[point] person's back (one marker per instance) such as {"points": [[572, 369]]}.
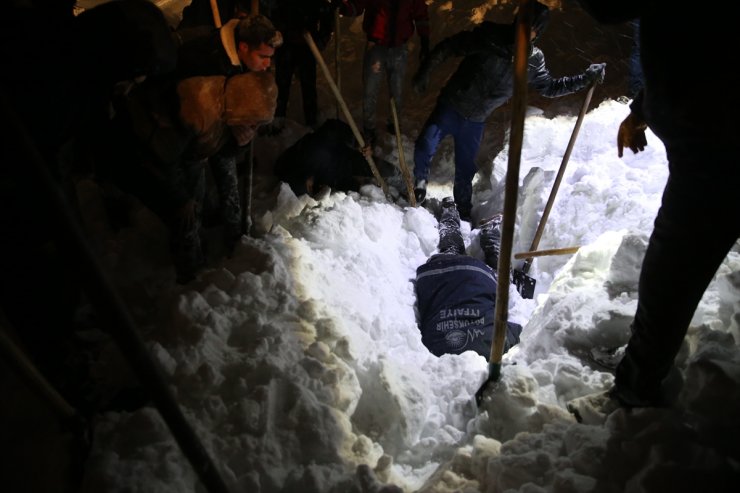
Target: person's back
{"points": [[326, 157], [456, 293]]}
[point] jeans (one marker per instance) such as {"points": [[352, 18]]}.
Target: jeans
{"points": [[444, 121], [377, 60]]}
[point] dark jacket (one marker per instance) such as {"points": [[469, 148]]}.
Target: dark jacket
{"points": [[206, 50], [456, 298], [293, 17], [328, 157], [677, 103], [390, 22], [484, 79]]}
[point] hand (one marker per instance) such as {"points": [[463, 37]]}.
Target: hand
{"points": [[367, 151], [424, 50], [631, 134], [595, 72], [420, 82]]}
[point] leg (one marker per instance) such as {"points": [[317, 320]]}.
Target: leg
{"points": [[284, 68], [490, 241], [397, 63], [372, 75], [185, 236], [450, 237], [686, 243], [227, 184], [307, 76], [467, 142], [434, 130]]}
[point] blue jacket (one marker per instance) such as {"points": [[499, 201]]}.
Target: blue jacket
{"points": [[456, 298]]}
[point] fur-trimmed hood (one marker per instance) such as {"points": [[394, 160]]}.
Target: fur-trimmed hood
{"points": [[208, 105]]}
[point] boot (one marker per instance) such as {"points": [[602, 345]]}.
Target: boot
{"points": [[490, 240], [420, 191]]}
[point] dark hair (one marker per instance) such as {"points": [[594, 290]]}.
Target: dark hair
{"points": [[257, 29]]}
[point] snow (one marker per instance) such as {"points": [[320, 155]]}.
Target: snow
{"points": [[300, 365], [299, 359]]}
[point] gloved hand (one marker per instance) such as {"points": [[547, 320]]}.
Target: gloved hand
{"points": [[595, 72], [420, 82], [424, 51], [631, 134]]}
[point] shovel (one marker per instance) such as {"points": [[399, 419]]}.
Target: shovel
{"points": [[516, 138], [524, 283]]}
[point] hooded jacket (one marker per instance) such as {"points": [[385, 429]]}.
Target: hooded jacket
{"points": [[456, 298], [208, 105], [484, 79]]}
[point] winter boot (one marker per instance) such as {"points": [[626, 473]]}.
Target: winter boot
{"points": [[420, 191], [490, 240]]}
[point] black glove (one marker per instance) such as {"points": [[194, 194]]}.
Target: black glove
{"points": [[595, 72], [424, 51]]}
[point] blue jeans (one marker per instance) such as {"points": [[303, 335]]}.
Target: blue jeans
{"points": [[377, 60], [444, 121]]}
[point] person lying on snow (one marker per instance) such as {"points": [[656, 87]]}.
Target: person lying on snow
{"points": [[328, 157], [456, 293]]}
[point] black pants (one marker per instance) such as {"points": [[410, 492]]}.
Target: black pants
{"points": [[297, 58], [697, 224]]}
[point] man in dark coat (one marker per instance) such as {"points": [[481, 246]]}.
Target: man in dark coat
{"points": [[292, 18], [482, 82], [699, 219], [456, 293]]}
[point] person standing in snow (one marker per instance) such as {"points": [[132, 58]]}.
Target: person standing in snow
{"points": [[482, 82], [293, 18], [699, 219], [456, 293], [388, 24], [241, 46]]}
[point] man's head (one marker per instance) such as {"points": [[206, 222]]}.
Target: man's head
{"points": [[256, 42]]}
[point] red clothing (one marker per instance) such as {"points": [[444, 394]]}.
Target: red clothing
{"points": [[390, 22]]}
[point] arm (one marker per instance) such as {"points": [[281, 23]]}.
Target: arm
{"points": [[421, 23], [325, 24], [550, 87], [486, 37]]}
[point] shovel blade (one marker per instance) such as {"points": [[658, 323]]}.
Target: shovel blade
{"points": [[524, 284]]}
